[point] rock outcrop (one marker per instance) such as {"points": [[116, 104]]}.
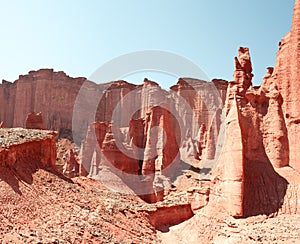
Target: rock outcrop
{"points": [[34, 121], [152, 147], [200, 103], [21, 146], [256, 145], [71, 167], [61, 98], [162, 147], [145, 131], [287, 78]]}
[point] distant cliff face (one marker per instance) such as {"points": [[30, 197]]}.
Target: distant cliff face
{"points": [[51, 93], [55, 95]]}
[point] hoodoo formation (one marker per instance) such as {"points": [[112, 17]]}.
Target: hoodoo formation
{"points": [[205, 162]]}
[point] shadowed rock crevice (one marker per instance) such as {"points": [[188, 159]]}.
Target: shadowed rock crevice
{"points": [[256, 144], [8, 176], [264, 189], [165, 217]]}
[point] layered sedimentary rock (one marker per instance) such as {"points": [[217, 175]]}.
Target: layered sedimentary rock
{"points": [[34, 121], [116, 153], [162, 147], [63, 102], [142, 128], [202, 140], [149, 147], [233, 159], [20, 146], [71, 167], [51, 93], [256, 144], [200, 103], [287, 77], [153, 145], [90, 148], [104, 144]]}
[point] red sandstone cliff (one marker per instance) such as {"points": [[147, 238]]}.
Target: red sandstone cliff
{"points": [[34, 121], [20, 146], [142, 128], [287, 77], [256, 147], [200, 103], [51, 93], [152, 147]]}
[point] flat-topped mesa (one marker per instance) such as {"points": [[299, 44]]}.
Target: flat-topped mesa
{"points": [[34, 121], [52, 93], [33, 147]]}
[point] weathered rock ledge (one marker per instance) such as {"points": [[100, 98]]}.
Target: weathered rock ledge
{"points": [[18, 146]]}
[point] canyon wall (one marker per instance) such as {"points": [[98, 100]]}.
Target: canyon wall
{"points": [[51, 93], [251, 173], [145, 131], [287, 77], [60, 98]]}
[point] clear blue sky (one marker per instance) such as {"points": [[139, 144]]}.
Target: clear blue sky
{"points": [[79, 36]]}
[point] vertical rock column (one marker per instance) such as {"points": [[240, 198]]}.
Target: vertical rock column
{"points": [[233, 158]]}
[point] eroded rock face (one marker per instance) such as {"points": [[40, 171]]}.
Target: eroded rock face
{"points": [[242, 78], [34, 121], [150, 142], [256, 144], [200, 103], [20, 146], [287, 77], [115, 152], [202, 140], [162, 148], [90, 147], [71, 168], [149, 148], [232, 162], [52, 93], [57, 95]]}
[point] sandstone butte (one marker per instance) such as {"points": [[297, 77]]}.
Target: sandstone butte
{"points": [[205, 162]]}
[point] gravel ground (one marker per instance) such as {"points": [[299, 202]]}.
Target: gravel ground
{"points": [[19, 135]]}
